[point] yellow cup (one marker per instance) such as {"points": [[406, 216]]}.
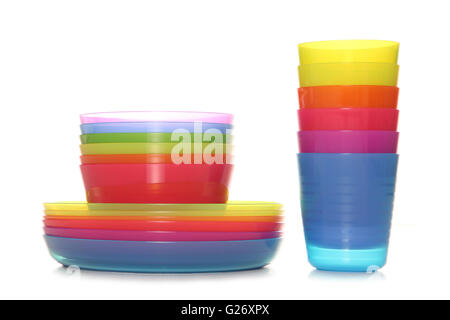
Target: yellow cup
{"points": [[344, 51], [346, 74]]}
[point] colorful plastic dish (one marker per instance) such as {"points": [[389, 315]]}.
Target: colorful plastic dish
{"points": [[233, 210], [347, 201], [348, 97], [156, 116], [154, 127], [127, 137], [346, 74], [125, 235], [150, 158], [152, 148], [351, 141], [348, 119], [156, 183], [52, 215], [161, 225], [148, 256], [338, 51]]}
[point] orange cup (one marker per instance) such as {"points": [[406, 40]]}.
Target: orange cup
{"points": [[348, 97]]}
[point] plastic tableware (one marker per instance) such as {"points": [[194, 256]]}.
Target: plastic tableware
{"points": [[152, 148], [229, 207], [276, 217], [127, 137], [161, 225], [156, 183], [231, 210], [124, 235], [347, 202], [348, 119], [344, 74], [149, 158], [156, 116], [147, 256], [154, 127], [348, 96], [338, 51], [348, 141]]}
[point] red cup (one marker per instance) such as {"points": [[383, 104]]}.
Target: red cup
{"points": [[348, 96], [348, 119], [156, 183]]}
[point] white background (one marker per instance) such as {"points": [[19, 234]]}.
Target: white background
{"points": [[62, 58]]}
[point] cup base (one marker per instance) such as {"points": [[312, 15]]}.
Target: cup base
{"points": [[347, 260]]}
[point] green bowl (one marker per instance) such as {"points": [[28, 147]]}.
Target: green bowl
{"points": [[161, 137]]}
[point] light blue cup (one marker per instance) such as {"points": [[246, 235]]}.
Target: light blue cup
{"points": [[347, 201]]}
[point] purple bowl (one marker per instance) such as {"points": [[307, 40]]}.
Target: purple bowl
{"points": [[347, 141]]}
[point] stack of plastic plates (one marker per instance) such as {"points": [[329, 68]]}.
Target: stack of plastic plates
{"points": [[163, 237]]}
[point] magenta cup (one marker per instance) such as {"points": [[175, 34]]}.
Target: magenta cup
{"points": [[156, 116], [347, 141]]}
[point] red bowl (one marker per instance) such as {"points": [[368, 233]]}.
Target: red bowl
{"points": [[348, 119], [156, 183]]}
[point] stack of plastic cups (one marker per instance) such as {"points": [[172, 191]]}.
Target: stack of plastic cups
{"points": [[348, 142], [157, 191]]}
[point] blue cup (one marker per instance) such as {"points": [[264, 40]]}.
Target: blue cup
{"points": [[347, 201]]}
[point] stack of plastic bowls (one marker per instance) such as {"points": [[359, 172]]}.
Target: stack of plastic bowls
{"points": [[348, 143], [156, 157], [157, 191]]}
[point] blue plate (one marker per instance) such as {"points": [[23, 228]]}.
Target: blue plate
{"points": [[150, 256], [152, 127]]}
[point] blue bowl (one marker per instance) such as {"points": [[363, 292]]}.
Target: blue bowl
{"points": [[152, 256], [347, 201], [151, 127]]}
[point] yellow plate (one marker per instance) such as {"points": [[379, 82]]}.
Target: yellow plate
{"points": [[233, 208], [338, 51]]}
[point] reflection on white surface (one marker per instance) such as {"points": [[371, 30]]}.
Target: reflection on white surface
{"points": [[346, 276], [73, 272]]}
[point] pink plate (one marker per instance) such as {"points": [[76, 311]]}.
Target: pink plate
{"points": [[96, 234]]}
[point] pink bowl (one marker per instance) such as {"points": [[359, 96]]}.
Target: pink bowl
{"points": [[160, 116], [347, 141], [121, 235]]}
